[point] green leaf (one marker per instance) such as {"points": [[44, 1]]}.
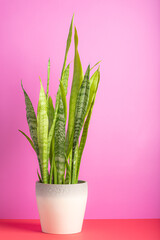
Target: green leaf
{"points": [[63, 96], [50, 112], [75, 165], [69, 156], [76, 83], [53, 170], [48, 79], [51, 144], [32, 123], [50, 118], [83, 139], [63, 180], [67, 46], [29, 140], [68, 173], [86, 125], [52, 129], [60, 142], [69, 36], [56, 113], [94, 81], [40, 180], [64, 80], [42, 133], [81, 108], [59, 133], [52, 136], [68, 151], [95, 65], [31, 119]]}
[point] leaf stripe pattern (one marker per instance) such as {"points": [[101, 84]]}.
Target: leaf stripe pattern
{"points": [[53, 169], [50, 146], [83, 139], [81, 108], [65, 78], [50, 112], [50, 118], [51, 132], [94, 81], [42, 133], [32, 123], [48, 130], [63, 97], [93, 90], [60, 142], [76, 83], [59, 134]]}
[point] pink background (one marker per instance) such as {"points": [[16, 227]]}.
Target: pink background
{"points": [[121, 161]]}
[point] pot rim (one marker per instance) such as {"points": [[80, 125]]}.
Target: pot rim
{"points": [[65, 184]]}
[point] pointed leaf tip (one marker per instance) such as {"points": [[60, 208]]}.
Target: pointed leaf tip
{"points": [[40, 81], [49, 63], [22, 85], [75, 37], [88, 69]]}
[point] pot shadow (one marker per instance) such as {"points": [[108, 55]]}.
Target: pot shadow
{"points": [[33, 226]]}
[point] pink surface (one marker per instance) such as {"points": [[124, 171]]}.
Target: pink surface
{"points": [[121, 161], [112, 229]]}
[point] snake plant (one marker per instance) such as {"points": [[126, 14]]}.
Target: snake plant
{"points": [[59, 147]]}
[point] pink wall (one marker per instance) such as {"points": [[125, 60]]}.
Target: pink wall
{"points": [[121, 161]]}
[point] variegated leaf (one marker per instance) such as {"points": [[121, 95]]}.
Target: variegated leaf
{"points": [[76, 83], [60, 118], [52, 129], [81, 108], [53, 169], [60, 142], [59, 134], [50, 112], [63, 97], [31, 119], [64, 80], [74, 165], [42, 133], [32, 123], [95, 82], [50, 118]]}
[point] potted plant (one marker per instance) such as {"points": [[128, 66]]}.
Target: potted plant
{"points": [[61, 197]]}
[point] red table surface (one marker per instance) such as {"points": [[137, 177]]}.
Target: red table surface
{"points": [[108, 229]]}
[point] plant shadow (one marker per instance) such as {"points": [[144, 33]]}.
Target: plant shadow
{"points": [[33, 226]]}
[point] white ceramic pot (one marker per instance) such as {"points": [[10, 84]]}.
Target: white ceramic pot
{"points": [[61, 206]]}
